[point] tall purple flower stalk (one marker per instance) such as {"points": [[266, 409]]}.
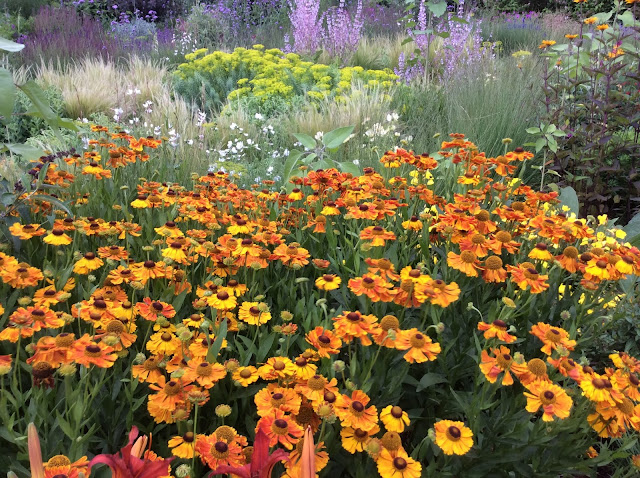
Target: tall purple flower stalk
{"points": [[463, 46], [343, 31], [306, 25]]}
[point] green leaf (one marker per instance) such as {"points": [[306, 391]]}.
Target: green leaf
{"points": [[437, 8], [212, 354], [27, 151], [39, 100], [444, 34], [335, 138], [8, 45], [459, 20], [348, 167], [7, 93], [306, 140], [568, 197], [291, 164], [540, 144], [533, 130], [430, 379], [310, 157], [54, 201], [633, 230]]}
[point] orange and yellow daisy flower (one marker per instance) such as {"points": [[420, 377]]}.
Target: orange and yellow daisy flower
{"points": [[552, 398], [453, 437]]}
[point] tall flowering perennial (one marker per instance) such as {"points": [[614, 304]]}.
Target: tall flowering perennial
{"points": [[343, 30], [306, 25], [463, 46], [186, 290]]}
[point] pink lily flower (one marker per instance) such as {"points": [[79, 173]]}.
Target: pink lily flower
{"points": [[261, 464], [129, 464]]}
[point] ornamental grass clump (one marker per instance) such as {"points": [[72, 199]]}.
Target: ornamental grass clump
{"points": [[401, 327], [269, 79]]}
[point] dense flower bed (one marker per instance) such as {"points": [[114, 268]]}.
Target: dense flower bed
{"points": [[421, 330], [269, 75]]}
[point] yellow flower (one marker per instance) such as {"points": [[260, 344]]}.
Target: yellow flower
{"points": [[394, 418], [453, 437]]}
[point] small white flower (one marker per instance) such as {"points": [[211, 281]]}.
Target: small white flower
{"points": [[318, 136], [259, 117], [233, 126]]}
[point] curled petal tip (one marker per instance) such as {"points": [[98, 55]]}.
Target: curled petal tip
{"points": [[308, 455], [35, 452]]}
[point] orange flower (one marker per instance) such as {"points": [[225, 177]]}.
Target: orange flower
{"points": [[395, 419], [316, 387], [57, 237], [377, 235], [437, 292], [152, 309], [26, 231], [374, 287], [273, 398], [526, 275], [353, 412], [86, 352], [502, 361], [497, 329], [553, 337], [384, 267], [292, 254], [553, 399], [466, 262], [419, 346], [21, 276], [216, 452], [254, 313], [280, 428], [183, 446], [351, 325], [324, 341], [204, 373]]}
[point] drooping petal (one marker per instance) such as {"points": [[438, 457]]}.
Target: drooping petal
{"points": [[267, 467]]}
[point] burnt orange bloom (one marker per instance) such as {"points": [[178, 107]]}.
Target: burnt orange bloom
{"points": [[419, 346], [152, 309], [377, 235], [553, 337], [316, 388], [292, 254], [502, 361], [324, 341], [466, 262], [280, 428], [277, 368], [553, 399], [438, 292], [493, 270], [496, 329], [204, 373], [569, 260], [384, 267], [475, 243], [144, 271], [526, 275], [353, 411], [272, 398], [86, 352], [21, 276], [374, 287], [26, 231], [169, 394], [149, 371], [117, 253], [351, 325], [219, 451]]}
